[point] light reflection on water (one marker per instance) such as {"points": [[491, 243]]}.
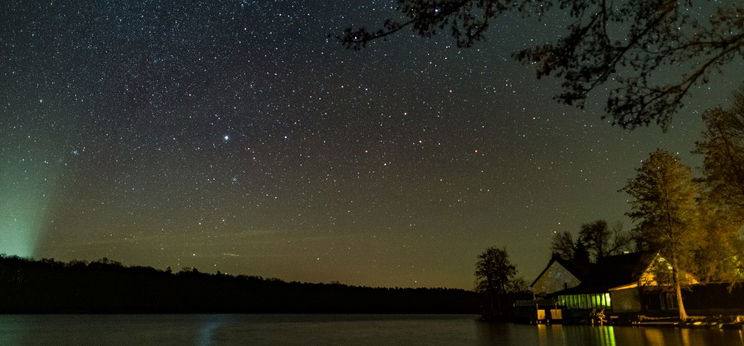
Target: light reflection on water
{"points": [[542, 335], [209, 326], [203, 330]]}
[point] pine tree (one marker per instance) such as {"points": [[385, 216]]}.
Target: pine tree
{"points": [[664, 207]]}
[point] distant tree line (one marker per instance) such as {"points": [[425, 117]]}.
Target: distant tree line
{"points": [[105, 286]]}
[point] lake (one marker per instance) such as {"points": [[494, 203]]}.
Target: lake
{"points": [[330, 330]]}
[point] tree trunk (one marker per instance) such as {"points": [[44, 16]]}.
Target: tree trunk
{"points": [[678, 293], [499, 306], [491, 298], [492, 304]]}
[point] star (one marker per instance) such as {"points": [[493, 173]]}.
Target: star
{"points": [[173, 117]]}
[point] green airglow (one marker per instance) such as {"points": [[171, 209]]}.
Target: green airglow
{"points": [[26, 185]]}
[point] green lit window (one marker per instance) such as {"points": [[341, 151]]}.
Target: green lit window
{"points": [[585, 301]]}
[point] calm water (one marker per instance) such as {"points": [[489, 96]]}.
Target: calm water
{"points": [[329, 330]]}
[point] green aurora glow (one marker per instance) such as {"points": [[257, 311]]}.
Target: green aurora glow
{"points": [[26, 185]]}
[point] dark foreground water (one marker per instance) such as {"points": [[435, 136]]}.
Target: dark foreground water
{"points": [[330, 330]]}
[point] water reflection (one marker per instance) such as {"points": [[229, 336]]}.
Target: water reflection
{"points": [[333, 330], [607, 335], [570, 335], [591, 335], [14, 330], [549, 335], [209, 326], [602, 335]]}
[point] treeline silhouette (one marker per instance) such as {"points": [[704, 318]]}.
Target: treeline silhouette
{"points": [[105, 286]]}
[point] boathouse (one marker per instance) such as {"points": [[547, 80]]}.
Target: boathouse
{"points": [[622, 287]]}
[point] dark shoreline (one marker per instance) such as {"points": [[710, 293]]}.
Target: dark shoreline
{"points": [[104, 286]]}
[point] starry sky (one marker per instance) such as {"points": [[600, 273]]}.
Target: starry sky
{"points": [[239, 136]]}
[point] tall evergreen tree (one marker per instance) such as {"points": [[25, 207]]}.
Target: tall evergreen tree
{"points": [[664, 207]]}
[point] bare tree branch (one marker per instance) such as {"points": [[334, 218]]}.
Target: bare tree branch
{"points": [[626, 44]]}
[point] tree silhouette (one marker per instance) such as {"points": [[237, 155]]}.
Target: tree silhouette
{"points": [[105, 286], [664, 205], [627, 44], [563, 246], [601, 241], [494, 273]]}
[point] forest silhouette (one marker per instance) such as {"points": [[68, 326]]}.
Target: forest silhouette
{"points": [[105, 286]]}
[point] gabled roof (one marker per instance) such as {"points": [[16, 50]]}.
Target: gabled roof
{"points": [[614, 271], [577, 270]]}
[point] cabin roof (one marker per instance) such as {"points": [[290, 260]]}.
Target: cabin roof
{"points": [[613, 271], [577, 270]]}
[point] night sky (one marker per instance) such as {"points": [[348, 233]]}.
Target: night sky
{"points": [[237, 136]]}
